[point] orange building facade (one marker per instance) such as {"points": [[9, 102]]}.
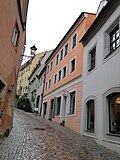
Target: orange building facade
{"points": [[63, 82], [13, 16]]}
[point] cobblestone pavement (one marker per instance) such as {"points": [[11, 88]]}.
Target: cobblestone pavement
{"points": [[34, 138]]}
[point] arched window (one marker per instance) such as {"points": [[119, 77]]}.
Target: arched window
{"points": [[114, 113], [90, 114]]}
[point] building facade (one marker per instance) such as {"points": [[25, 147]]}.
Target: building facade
{"points": [[22, 81], [36, 83], [63, 82], [12, 32], [25, 72], [100, 114]]}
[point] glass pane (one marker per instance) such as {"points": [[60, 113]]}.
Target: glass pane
{"points": [[114, 113], [90, 115]]}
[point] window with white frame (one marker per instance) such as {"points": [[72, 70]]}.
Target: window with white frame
{"points": [[90, 114], [44, 109], [49, 83], [66, 50], [58, 106], [46, 86], [92, 59], [72, 97], [114, 113], [48, 69], [59, 75], [15, 36], [61, 55], [112, 38], [72, 65], [64, 72], [57, 59], [51, 65], [55, 78], [74, 41]]}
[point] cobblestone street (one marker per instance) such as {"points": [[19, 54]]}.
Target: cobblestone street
{"points": [[33, 138]]}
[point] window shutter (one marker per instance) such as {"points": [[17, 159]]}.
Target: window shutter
{"points": [[89, 61], [106, 44]]}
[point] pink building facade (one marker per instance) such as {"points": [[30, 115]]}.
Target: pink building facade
{"points": [[63, 82]]}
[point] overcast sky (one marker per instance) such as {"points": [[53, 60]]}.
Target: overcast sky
{"points": [[49, 20]]}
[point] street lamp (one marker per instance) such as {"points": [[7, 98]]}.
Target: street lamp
{"points": [[33, 50]]}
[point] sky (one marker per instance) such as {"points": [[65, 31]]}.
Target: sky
{"points": [[49, 20]]}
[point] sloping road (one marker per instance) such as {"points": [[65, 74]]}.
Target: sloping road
{"points": [[33, 138]]}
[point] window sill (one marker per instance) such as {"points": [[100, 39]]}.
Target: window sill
{"points": [[91, 131], [113, 134], [111, 54], [91, 71], [70, 114], [73, 48]]}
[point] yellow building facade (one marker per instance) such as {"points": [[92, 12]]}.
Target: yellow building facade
{"points": [[25, 72]]}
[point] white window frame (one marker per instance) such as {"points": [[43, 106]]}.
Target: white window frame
{"points": [[89, 59], [71, 65], [67, 50], [49, 84], [107, 134], [57, 60], [72, 41], [107, 52], [57, 105], [68, 109], [51, 66], [63, 73], [54, 78], [15, 36], [60, 76], [61, 52]]}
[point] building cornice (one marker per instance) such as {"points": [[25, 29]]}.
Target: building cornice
{"points": [[68, 34], [103, 16]]}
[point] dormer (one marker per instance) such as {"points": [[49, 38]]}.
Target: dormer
{"points": [[101, 6]]}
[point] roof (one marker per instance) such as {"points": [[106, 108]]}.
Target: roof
{"points": [[26, 64], [103, 16], [79, 19]]}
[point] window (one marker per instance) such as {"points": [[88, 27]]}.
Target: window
{"points": [[51, 64], [61, 55], [46, 86], [114, 113], [2, 85], [74, 41], [55, 78], [57, 59], [64, 72], [92, 59], [114, 38], [72, 66], [59, 75], [15, 36], [44, 109], [49, 83], [72, 103], [66, 50], [58, 106], [90, 115], [47, 69]]}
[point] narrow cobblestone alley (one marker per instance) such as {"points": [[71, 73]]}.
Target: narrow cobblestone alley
{"points": [[33, 138]]}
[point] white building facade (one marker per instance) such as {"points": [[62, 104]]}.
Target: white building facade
{"points": [[100, 114]]}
